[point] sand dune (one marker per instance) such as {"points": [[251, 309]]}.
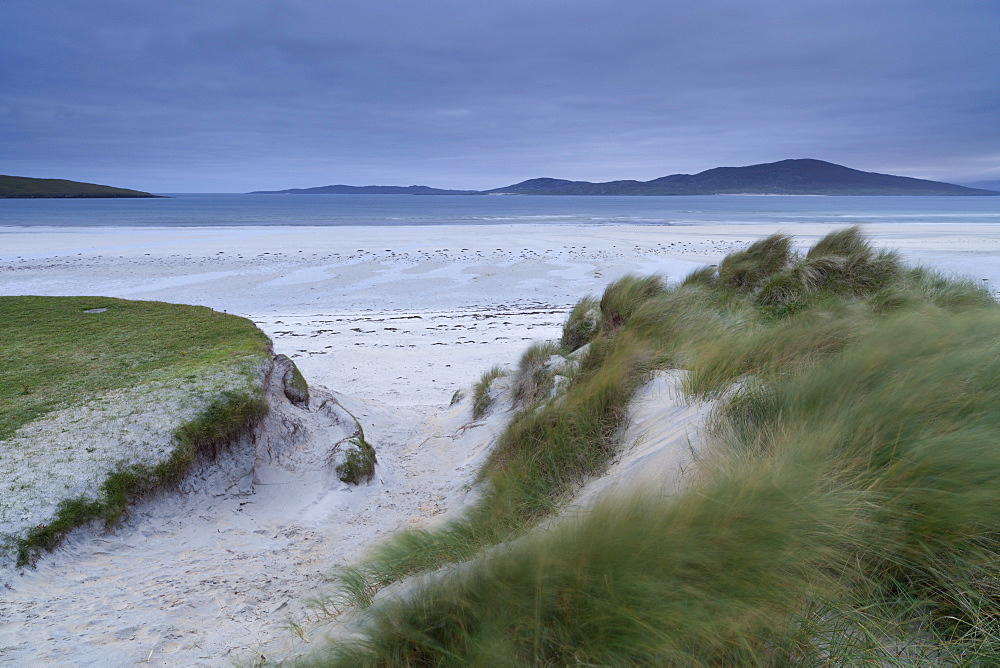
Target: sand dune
{"points": [[395, 320]]}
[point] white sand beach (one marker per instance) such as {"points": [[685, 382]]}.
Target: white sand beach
{"points": [[392, 321], [408, 315]]}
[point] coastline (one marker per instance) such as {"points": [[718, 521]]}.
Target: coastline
{"points": [[409, 314], [392, 328]]}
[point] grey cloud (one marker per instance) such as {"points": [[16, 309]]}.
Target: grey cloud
{"points": [[231, 95]]}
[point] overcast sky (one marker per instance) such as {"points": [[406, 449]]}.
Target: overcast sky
{"points": [[236, 95]]}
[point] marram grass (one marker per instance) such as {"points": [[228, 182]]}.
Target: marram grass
{"points": [[847, 517], [581, 325], [481, 398], [532, 381]]}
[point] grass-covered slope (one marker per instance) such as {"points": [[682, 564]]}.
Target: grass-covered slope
{"points": [[849, 517], [101, 399]]}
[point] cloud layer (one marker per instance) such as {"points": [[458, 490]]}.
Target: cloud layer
{"points": [[232, 95]]}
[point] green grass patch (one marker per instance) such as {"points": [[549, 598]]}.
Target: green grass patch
{"points": [[848, 517], [57, 355]]}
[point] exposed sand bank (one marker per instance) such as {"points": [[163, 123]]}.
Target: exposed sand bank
{"points": [[396, 319]]}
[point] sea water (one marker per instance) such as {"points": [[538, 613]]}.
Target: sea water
{"points": [[198, 210]]}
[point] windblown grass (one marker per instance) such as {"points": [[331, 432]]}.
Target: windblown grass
{"points": [[581, 325], [746, 270], [622, 297], [848, 518], [532, 380], [635, 582], [548, 449], [481, 398]]}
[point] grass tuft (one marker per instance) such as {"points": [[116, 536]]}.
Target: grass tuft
{"points": [[534, 378], [705, 276], [746, 270], [622, 297], [844, 242], [481, 398], [581, 325], [359, 462]]}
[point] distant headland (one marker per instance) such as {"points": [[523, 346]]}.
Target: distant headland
{"points": [[786, 177], [23, 187]]}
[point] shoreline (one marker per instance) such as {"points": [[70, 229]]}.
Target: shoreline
{"points": [[332, 297]]}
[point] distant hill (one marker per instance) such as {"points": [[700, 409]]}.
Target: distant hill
{"points": [[20, 187], [786, 177], [365, 190], [986, 185]]}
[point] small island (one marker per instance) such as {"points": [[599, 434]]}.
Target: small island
{"points": [[24, 187]]}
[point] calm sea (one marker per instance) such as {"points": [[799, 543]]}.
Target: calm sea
{"points": [[195, 210]]}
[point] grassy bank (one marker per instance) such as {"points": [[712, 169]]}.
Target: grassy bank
{"points": [[848, 517], [104, 399]]}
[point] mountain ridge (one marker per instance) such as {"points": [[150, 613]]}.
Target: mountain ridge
{"points": [[803, 176], [800, 176]]}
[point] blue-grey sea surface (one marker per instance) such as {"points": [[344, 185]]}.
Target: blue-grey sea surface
{"points": [[197, 210]]}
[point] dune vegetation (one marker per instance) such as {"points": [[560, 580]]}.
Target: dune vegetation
{"points": [[847, 516], [481, 398], [104, 399]]}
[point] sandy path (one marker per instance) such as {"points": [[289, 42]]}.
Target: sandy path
{"points": [[195, 579]]}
